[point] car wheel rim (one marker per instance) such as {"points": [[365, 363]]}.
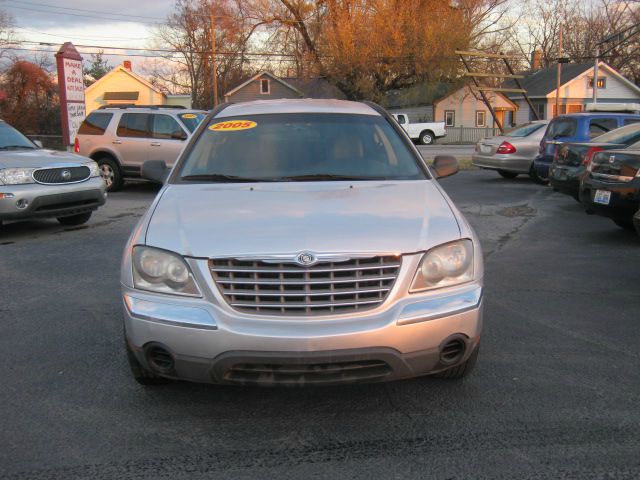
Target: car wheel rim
{"points": [[107, 174], [426, 139]]}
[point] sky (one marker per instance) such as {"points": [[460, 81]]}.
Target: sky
{"points": [[88, 23]]}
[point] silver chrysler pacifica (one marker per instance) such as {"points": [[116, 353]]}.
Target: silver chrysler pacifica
{"points": [[301, 242]]}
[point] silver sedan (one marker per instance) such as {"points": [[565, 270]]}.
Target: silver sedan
{"points": [[512, 153], [37, 183]]}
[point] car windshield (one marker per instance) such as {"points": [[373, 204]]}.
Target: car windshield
{"points": [[623, 136], [191, 120], [300, 147], [12, 139], [524, 130]]}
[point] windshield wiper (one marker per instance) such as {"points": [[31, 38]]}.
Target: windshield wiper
{"points": [[216, 177], [318, 177], [13, 147]]}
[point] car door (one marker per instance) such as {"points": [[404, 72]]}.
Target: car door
{"points": [[132, 141], [168, 139]]}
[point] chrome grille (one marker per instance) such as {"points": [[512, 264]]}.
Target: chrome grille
{"points": [[287, 288], [61, 175]]}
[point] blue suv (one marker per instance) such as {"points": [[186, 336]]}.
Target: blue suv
{"points": [[576, 127]]}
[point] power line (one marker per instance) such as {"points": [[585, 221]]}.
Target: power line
{"points": [[115, 39], [84, 16], [46, 5]]}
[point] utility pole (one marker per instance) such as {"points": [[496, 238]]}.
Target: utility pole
{"points": [[559, 74], [214, 73], [595, 75]]}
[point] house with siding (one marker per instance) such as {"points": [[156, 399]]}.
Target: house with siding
{"points": [[122, 86], [267, 86], [464, 107], [576, 90]]}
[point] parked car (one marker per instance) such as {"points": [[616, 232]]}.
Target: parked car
{"points": [[612, 185], [38, 183], [575, 127], [425, 132], [121, 139], [301, 242], [570, 162], [513, 152]]}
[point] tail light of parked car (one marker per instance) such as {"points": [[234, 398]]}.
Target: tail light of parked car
{"points": [[76, 146], [506, 147], [589, 155]]}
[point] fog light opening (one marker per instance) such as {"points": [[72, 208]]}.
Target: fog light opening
{"points": [[159, 358], [452, 351], [22, 203]]}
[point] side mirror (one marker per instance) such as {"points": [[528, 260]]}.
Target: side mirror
{"points": [[38, 143], [179, 136], [445, 166], [155, 170]]}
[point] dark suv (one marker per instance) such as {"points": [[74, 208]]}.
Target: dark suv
{"points": [[121, 139], [612, 186], [575, 127]]}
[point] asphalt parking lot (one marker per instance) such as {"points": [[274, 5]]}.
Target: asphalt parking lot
{"points": [[555, 393]]}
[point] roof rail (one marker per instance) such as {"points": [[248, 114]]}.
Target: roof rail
{"points": [[131, 105]]}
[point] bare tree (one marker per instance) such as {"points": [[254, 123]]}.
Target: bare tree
{"points": [[188, 31]]}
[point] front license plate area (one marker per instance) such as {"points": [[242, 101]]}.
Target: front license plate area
{"points": [[603, 197]]}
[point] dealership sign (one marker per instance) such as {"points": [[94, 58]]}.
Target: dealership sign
{"points": [[71, 89]]}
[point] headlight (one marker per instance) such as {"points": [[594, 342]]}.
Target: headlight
{"points": [[161, 271], [94, 169], [443, 266], [16, 176]]}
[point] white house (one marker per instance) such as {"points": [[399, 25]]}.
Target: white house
{"points": [[576, 89]]}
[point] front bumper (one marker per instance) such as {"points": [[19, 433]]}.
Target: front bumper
{"points": [[211, 343], [509, 163], [623, 203], [51, 200]]}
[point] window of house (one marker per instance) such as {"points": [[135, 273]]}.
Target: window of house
{"points": [[265, 87], [481, 118], [449, 118], [602, 82]]}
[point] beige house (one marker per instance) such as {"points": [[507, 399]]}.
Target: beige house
{"points": [[465, 108], [122, 86]]}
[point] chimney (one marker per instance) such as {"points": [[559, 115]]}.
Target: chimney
{"points": [[127, 64], [536, 60]]}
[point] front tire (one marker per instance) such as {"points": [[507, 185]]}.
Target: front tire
{"points": [[74, 220], [460, 371], [110, 173], [426, 138], [506, 174]]}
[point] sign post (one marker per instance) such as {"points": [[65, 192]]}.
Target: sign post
{"points": [[71, 91]]}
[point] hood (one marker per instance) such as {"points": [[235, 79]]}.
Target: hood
{"points": [[215, 220], [39, 158]]}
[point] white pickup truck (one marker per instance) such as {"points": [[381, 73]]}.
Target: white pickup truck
{"points": [[425, 133]]}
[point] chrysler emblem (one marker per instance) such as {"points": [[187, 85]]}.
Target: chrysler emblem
{"points": [[66, 174], [306, 259]]}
